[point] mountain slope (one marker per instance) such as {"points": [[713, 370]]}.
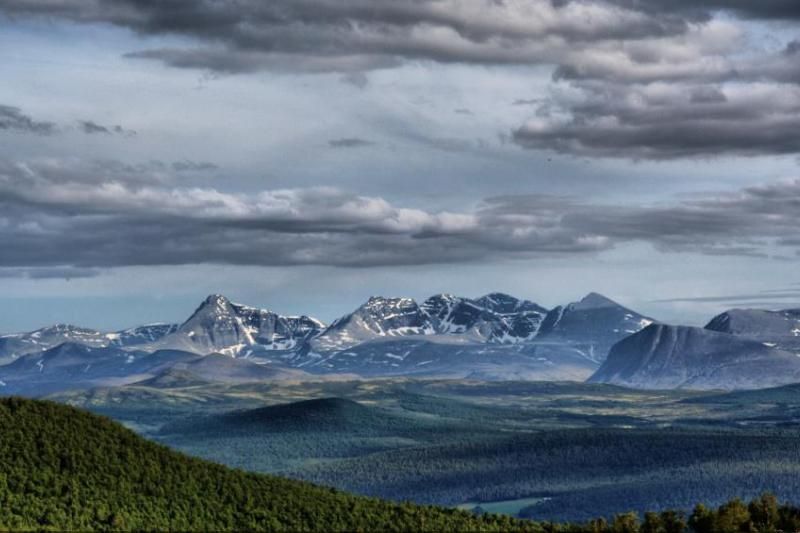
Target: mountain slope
{"points": [[378, 317], [141, 335], [13, 346], [778, 328], [494, 318], [221, 326], [594, 324], [757, 322], [326, 415], [219, 368], [72, 365], [665, 357], [68, 470], [451, 357], [496, 336]]}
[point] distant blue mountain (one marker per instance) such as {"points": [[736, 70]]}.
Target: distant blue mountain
{"points": [[667, 357], [496, 336]]}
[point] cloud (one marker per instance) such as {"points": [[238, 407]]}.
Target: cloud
{"points": [[764, 9], [527, 101], [193, 166], [61, 214], [722, 95], [90, 127], [757, 297], [361, 35], [664, 121], [349, 142], [13, 119], [699, 94], [56, 272]]}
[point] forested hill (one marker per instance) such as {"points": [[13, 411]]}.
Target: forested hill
{"points": [[65, 469]]}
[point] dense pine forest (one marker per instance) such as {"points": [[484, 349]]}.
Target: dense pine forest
{"points": [[66, 469]]}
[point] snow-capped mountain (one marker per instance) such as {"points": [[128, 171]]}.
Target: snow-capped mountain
{"points": [[378, 317], [495, 318], [523, 317], [595, 324], [666, 357], [13, 346], [75, 366], [492, 337], [496, 336], [221, 326], [140, 335]]}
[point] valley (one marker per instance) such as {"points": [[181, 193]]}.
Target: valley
{"points": [[578, 450], [488, 404]]}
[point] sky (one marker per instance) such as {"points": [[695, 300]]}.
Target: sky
{"points": [[303, 155]]}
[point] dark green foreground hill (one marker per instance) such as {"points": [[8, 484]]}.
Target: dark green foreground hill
{"points": [[65, 469]]}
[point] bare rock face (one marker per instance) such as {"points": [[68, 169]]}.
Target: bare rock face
{"points": [[668, 357]]}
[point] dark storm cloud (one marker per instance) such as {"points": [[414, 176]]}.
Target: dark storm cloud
{"points": [[637, 79], [662, 122], [57, 216], [349, 142], [759, 9], [359, 35], [13, 119]]}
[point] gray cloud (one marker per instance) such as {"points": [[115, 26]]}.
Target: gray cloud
{"points": [[349, 142], [13, 119], [58, 214], [762, 9], [90, 127], [758, 297], [527, 101], [361, 35], [668, 121], [193, 166], [633, 79], [56, 272]]}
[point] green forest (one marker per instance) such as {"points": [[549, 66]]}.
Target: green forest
{"points": [[65, 469]]}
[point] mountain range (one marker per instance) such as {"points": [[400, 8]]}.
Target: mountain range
{"points": [[494, 337]]}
